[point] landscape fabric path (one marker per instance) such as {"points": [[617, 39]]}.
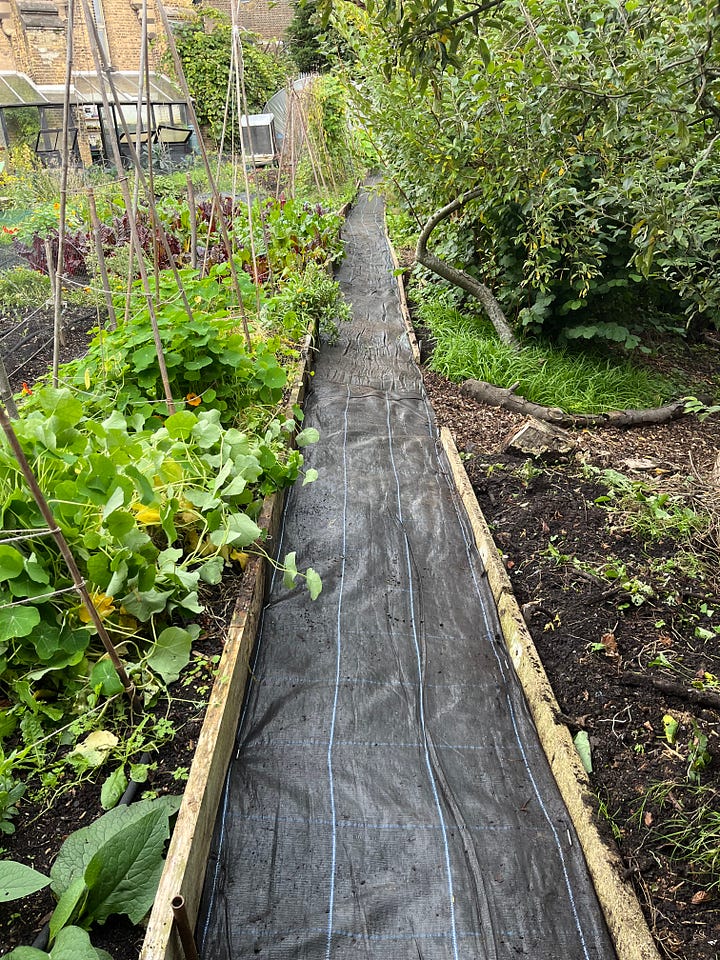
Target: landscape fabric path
{"points": [[389, 798]]}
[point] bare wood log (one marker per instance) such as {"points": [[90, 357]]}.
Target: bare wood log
{"points": [[701, 698], [506, 398], [459, 278]]}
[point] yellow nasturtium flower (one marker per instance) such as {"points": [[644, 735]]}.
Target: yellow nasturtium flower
{"points": [[104, 605]]}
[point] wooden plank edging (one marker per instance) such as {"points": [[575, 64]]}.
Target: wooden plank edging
{"points": [[404, 309], [184, 871], [626, 923]]}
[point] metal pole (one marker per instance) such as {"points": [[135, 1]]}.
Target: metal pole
{"points": [[182, 925]]}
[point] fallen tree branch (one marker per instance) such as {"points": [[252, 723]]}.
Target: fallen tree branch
{"points": [[458, 277], [701, 698], [506, 398]]}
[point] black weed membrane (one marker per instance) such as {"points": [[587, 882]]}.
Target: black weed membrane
{"points": [[389, 798]]}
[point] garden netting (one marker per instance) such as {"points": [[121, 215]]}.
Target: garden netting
{"points": [[389, 798]]}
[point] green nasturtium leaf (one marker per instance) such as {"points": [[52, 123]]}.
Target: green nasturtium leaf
{"points": [[18, 622], [18, 881], [310, 476], [307, 436], [105, 677], [290, 572], [12, 562], [180, 425], [239, 531], [170, 653], [314, 583], [144, 603]]}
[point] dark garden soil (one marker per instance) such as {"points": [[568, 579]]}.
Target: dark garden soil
{"points": [[612, 613], [27, 343]]}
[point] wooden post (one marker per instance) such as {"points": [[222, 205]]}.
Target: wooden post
{"points": [[60, 265], [180, 74], [123, 183], [102, 267], [192, 210], [6, 394], [50, 261]]}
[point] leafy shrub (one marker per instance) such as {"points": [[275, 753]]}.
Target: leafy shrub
{"points": [[312, 296], [206, 56]]}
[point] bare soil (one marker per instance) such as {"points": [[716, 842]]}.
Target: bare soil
{"points": [[604, 645]]}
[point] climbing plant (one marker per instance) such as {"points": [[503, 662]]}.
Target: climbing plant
{"points": [[586, 130]]}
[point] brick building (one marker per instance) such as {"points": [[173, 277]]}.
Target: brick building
{"points": [[268, 18], [33, 44]]}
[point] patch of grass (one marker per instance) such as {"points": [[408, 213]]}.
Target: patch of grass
{"points": [[691, 835], [579, 382]]}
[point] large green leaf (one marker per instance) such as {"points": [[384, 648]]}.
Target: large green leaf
{"points": [[18, 880], [170, 653], [82, 845], [69, 908], [74, 944], [123, 875], [12, 562], [239, 531], [144, 603], [18, 622], [180, 424]]}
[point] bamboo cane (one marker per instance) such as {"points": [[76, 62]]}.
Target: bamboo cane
{"points": [[6, 394], [123, 183], [60, 265], [192, 210], [180, 74], [66, 552], [100, 253]]}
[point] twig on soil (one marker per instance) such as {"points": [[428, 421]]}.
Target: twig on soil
{"points": [[701, 698]]}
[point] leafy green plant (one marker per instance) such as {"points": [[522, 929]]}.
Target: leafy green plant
{"points": [[11, 792], [546, 110], [111, 867], [694, 837], [311, 296], [72, 943]]}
